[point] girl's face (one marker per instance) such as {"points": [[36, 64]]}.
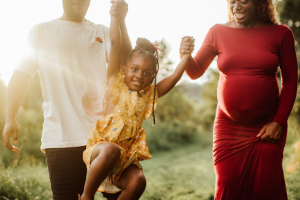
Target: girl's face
{"points": [[139, 72], [244, 11]]}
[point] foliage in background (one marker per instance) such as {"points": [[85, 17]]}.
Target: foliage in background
{"points": [[25, 183], [165, 64], [289, 12], [209, 100], [180, 174], [176, 121], [2, 104], [30, 119]]}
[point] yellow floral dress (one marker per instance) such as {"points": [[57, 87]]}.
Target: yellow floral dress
{"points": [[124, 128]]}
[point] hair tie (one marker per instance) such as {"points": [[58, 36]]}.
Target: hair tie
{"points": [[156, 47]]}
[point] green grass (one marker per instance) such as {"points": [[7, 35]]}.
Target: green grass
{"points": [[181, 174], [185, 173], [25, 183]]}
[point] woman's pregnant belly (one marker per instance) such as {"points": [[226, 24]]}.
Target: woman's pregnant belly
{"points": [[248, 99]]}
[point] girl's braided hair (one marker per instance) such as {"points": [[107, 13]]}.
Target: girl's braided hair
{"points": [[145, 48], [266, 10]]}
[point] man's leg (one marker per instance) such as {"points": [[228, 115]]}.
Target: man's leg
{"points": [[67, 172]]}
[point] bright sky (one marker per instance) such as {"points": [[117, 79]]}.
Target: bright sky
{"points": [[151, 19]]}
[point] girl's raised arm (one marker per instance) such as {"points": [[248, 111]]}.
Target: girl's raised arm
{"points": [[165, 85], [115, 51]]}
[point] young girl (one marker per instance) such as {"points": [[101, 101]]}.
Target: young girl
{"points": [[118, 142]]}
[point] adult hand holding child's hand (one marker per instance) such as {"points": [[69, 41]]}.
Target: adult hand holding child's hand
{"points": [[119, 9], [187, 45], [11, 128]]}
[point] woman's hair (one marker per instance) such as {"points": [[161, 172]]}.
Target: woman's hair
{"points": [[266, 10], [145, 48]]}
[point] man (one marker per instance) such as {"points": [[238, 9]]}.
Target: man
{"points": [[70, 55]]}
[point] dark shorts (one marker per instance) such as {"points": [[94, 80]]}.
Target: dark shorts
{"points": [[67, 172]]}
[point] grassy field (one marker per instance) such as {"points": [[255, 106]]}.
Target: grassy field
{"points": [[182, 174], [186, 173]]}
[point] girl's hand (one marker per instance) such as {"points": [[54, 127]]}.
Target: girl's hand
{"points": [[270, 132], [119, 9], [186, 46]]}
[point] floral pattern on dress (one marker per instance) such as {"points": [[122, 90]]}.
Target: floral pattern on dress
{"points": [[124, 128]]}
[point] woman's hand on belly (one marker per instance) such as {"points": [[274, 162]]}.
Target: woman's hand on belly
{"points": [[270, 132]]}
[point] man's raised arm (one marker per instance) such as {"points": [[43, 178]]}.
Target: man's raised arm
{"points": [[120, 9]]}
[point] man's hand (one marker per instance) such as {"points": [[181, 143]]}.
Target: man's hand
{"points": [[186, 46], [119, 9], [11, 128], [270, 132]]}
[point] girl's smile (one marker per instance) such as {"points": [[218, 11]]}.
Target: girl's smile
{"points": [[139, 73]]}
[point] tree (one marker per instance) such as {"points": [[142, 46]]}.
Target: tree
{"points": [[289, 14], [209, 100], [177, 119], [165, 64]]}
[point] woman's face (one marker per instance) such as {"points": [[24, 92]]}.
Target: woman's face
{"points": [[244, 11]]}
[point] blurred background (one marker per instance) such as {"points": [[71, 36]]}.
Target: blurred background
{"points": [[181, 140]]}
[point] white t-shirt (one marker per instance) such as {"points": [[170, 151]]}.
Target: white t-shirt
{"points": [[71, 60]]}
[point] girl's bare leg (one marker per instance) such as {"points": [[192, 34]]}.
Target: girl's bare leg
{"points": [[132, 182], [103, 158]]}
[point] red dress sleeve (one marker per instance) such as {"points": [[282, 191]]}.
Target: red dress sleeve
{"points": [[289, 74], [207, 52]]}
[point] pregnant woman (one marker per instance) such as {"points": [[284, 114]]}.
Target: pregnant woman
{"points": [[250, 127]]}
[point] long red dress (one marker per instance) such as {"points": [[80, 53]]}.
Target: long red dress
{"points": [[248, 98]]}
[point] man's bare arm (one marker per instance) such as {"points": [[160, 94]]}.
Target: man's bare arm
{"points": [[120, 9], [15, 94], [126, 43]]}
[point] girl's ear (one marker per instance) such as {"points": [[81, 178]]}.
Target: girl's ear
{"points": [[123, 69]]}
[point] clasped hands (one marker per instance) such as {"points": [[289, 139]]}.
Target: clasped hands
{"points": [[187, 46], [270, 132], [119, 9]]}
